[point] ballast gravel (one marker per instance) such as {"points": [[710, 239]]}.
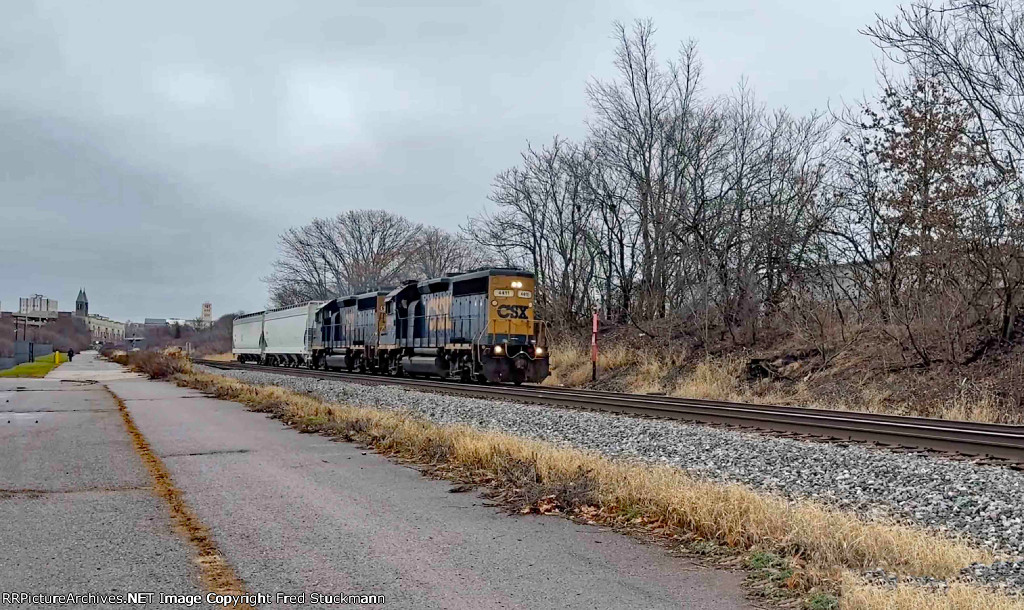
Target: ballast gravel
{"points": [[985, 503]]}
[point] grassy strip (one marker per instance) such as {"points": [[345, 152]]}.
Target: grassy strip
{"points": [[819, 542], [858, 595], [39, 368]]}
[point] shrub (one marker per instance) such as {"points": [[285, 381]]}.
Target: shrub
{"points": [[156, 365]]}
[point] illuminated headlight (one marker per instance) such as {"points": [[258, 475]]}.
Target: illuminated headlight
{"points": [[517, 284], [539, 351], [497, 349]]}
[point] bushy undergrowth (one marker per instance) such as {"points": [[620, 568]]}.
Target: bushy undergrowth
{"points": [[214, 339], [854, 382], [154, 364]]}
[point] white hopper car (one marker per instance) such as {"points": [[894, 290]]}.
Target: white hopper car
{"points": [[279, 337]]}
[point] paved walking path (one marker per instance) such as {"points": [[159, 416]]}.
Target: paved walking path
{"points": [[77, 512], [293, 513]]}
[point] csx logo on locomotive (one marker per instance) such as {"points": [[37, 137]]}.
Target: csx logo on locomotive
{"points": [[512, 312]]}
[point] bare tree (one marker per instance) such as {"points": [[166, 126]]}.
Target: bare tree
{"points": [[303, 270], [977, 48], [355, 251], [629, 133], [911, 214], [440, 252], [369, 248], [544, 221]]}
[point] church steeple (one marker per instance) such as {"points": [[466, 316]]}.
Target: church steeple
{"points": [[82, 304]]}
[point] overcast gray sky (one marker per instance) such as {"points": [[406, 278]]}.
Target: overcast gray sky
{"points": [[151, 151]]}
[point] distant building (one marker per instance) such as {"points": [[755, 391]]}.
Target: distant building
{"points": [[105, 330], [102, 328], [156, 322], [36, 310], [37, 303], [134, 334], [82, 304]]}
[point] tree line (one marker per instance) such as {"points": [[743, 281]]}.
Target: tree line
{"points": [[362, 250], [900, 216]]}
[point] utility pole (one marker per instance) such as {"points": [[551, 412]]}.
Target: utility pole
{"points": [[593, 349]]}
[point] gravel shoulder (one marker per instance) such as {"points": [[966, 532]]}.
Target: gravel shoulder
{"points": [[983, 503]]}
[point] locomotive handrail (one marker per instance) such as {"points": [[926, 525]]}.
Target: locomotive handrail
{"points": [[437, 330]]}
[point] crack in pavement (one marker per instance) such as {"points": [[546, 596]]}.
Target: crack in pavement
{"points": [[161, 398], [38, 493], [24, 389], [212, 452], [108, 410]]}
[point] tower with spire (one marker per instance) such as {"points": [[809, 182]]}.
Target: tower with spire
{"points": [[82, 304]]}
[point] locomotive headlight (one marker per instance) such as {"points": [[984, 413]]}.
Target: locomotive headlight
{"points": [[539, 351], [497, 349], [517, 284]]}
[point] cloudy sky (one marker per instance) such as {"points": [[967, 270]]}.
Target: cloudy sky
{"points": [[151, 152]]}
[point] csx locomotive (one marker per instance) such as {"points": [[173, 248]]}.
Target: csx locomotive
{"points": [[474, 326]]}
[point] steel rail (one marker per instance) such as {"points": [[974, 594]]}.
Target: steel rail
{"points": [[1000, 441]]}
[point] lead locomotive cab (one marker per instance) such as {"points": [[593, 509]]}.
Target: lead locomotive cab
{"points": [[476, 326], [492, 311]]}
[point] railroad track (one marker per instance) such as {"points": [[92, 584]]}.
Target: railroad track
{"points": [[1003, 444]]}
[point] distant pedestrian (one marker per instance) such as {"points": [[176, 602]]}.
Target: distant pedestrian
{"points": [[71, 354]]}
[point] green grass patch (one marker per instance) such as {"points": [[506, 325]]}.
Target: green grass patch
{"points": [[823, 601], [39, 368]]}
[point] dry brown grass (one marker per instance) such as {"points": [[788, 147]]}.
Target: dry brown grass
{"points": [[571, 365], [724, 378], [158, 365], [649, 373], [858, 595], [225, 357], [977, 404], [665, 498], [712, 379]]}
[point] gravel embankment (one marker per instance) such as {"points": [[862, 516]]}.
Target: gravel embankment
{"points": [[983, 502]]}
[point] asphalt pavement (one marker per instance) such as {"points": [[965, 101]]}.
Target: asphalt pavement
{"points": [[291, 512], [77, 513]]}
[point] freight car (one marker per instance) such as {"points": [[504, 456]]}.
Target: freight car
{"points": [[475, 326], [279, 337]]}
